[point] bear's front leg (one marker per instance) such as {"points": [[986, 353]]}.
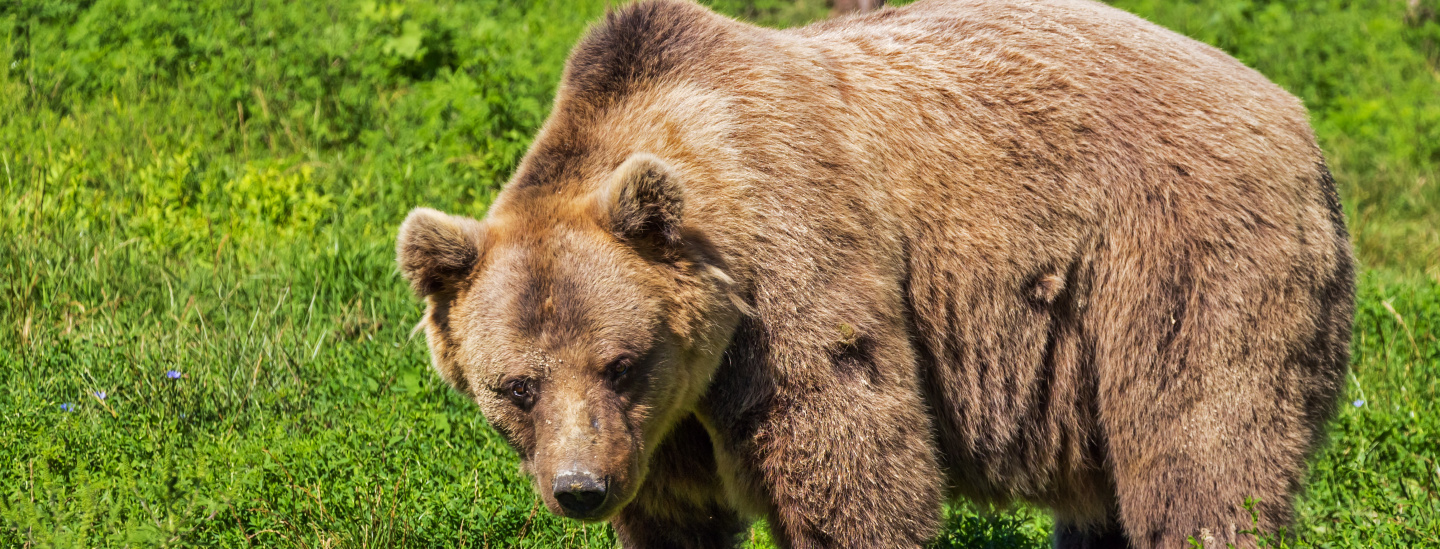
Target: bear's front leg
{"points": [[835, 447], [847, 469], [681, 504]]}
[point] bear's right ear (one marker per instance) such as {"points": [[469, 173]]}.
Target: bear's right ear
{"points": [[643, 201], [436, 251]]}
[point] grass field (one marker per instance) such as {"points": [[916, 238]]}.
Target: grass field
{"points": [[204, 340]]}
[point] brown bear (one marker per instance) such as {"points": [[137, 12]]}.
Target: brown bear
{"points": [[1038, 250]]}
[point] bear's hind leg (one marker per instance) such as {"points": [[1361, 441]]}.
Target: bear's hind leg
{"points": [[1218, 355], [1185, 467], [1196, 432]]}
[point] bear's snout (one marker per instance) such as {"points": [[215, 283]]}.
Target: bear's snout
{"points": [[586, 460], [580, 493]]}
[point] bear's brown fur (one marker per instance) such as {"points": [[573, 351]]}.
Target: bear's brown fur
{"points": [[831, 276]]}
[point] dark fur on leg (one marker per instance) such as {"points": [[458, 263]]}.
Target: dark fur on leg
{"points": [[1071, 536], [681, 504]]}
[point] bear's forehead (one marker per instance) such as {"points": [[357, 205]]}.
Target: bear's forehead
{"points": [[557, 296]]}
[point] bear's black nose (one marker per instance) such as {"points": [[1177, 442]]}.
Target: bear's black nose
{"points": [[580, 494]]}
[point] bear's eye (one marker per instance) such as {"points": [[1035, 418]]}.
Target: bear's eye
{"points": [[620, 367], [519, 391]]}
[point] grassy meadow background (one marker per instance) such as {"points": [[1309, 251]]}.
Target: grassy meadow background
{"points": [[204, 340]]}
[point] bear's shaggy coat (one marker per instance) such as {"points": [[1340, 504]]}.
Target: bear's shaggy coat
{"points": [[1034, 250]]}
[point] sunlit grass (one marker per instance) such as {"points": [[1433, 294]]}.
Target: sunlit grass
{"points": [[224, 206]]}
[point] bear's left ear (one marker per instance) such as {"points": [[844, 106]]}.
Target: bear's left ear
{"points": [[436, 251], [642, 201]]}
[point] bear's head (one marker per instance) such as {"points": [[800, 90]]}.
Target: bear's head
{"points": [[585, 324]]}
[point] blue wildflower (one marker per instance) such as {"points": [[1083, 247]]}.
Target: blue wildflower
{"points": [[99, 394], [1359, 403], [172, 374], [68, 407]]}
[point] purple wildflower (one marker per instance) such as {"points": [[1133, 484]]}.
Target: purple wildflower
{"points": [[68, 407], [99, 394], [172, 374], [1359, 403]]}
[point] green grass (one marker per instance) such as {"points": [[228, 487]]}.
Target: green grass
{"points": [[213, 187]]}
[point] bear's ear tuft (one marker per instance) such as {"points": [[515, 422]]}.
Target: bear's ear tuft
{"points": [[643, 201], [436, 251]]}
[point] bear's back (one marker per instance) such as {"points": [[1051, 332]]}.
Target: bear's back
{"points": [[1072, 72]]}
